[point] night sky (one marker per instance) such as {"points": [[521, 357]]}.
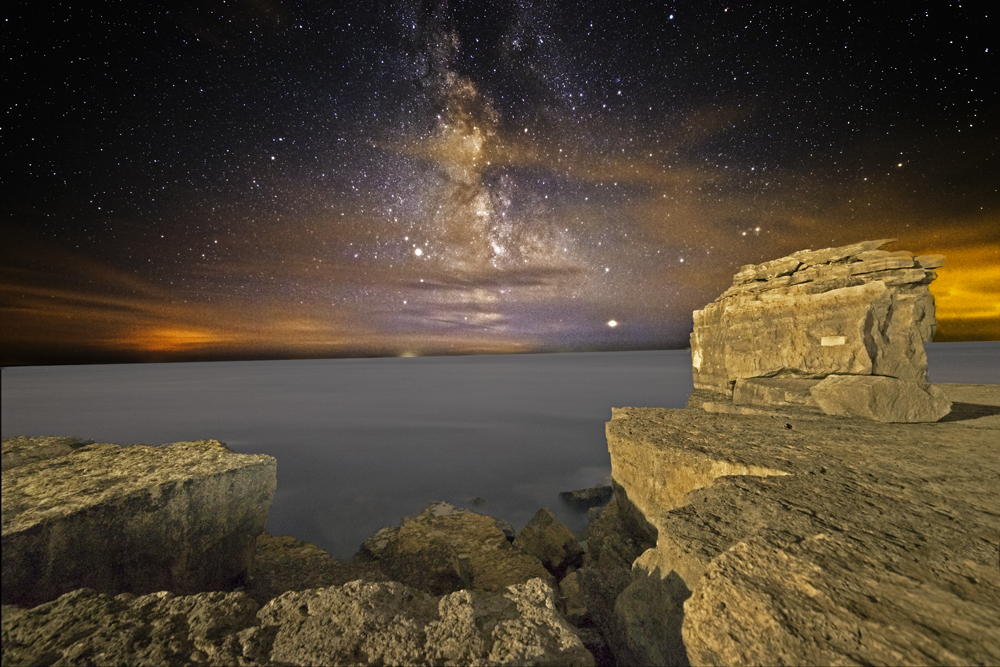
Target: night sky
{"points": [[263, 179]]}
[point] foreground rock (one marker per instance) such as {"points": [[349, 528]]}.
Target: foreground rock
{"points": [[445, 549], [136, 519], [358, 623], [854, 310], [551, 542], [880, 398], [283, 564], [797, 538]]}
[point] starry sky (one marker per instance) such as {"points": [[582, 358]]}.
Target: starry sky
{"points": [[261, 179]]}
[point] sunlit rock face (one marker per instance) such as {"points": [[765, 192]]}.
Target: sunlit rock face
{"points": [[133, 519], [853, 310]]}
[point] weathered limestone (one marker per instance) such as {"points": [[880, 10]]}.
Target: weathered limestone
{"points": [[444, 549], [22, 450], [798, 538], [854, 310], [357, 623], [551, 542], [880, 398], [773, 391], [133, 519]]}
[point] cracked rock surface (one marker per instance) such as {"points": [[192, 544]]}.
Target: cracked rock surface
{"points": [[793, 537]]}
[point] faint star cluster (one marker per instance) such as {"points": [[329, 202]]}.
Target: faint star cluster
{"points": [[284, 179]]}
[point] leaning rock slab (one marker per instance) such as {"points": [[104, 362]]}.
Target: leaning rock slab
{"points": [[883, 399], [135, 519], [445, 549]]}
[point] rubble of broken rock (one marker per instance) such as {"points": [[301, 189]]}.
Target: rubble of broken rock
{"points": [[157, 555]]}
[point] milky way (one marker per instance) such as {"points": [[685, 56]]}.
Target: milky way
{"points": [[264, 179]]}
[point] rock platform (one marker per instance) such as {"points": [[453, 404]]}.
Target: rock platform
{"points": [[134, 519], [792, 537]]}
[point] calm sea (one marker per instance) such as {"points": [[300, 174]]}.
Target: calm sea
{"points": [[362, 442]]}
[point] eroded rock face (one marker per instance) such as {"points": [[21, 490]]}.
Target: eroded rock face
{"points": [[445, 549], [799, 538], [880, 398], [854, 310], [357, 623], [136, 519]]}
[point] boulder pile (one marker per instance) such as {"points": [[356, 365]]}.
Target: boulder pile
{"points": [[158, 555], [857, 311]]}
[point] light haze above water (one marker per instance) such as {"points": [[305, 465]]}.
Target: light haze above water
{"points": [[361, 443]]}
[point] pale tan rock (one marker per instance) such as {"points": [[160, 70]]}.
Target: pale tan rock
{"points": [[21, 450], [136, 519], [880, 398], [358, 623], [445, 549], [930, 261], [851, 310], [778, 540], [777, 391], [549, 540]]}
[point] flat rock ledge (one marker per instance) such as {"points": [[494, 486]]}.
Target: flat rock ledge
{"points": [[383, 623], [136, 519], [788, 537]]}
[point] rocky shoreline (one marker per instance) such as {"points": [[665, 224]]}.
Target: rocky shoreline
{"points": [[806, 507]]}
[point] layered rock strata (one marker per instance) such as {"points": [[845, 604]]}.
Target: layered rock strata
{"points": [[853, 310], [798, 538], [135, 519], [357, 623]]}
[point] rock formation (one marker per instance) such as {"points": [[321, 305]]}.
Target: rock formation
{"points": [[805, 539], [855, 310], [135, 519], [446, 549], [357, 623]]}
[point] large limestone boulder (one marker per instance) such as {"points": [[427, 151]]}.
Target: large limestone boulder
{"points": [[807, 539], [551, 541], [880, 398], [358, 623], [445, 549], [852, 310], [136, 519]]}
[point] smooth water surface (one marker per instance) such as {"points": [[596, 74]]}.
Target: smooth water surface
{"points": [[363, 442]]}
